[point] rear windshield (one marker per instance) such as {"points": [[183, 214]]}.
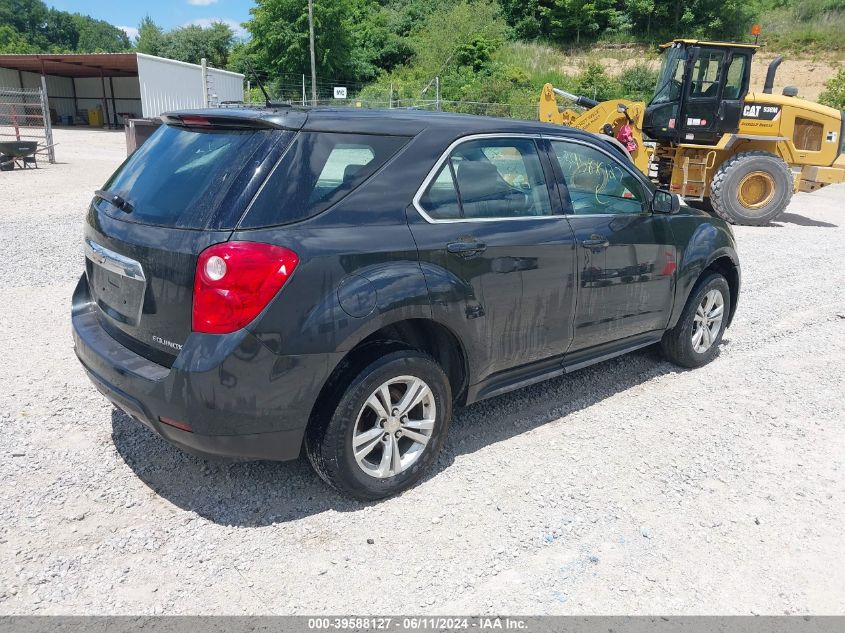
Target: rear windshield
{"points": [[179, 177], [318, 170]]}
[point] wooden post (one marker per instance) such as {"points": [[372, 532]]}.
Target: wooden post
{"points": [[113, 104], [75, 100], [105, 103]]}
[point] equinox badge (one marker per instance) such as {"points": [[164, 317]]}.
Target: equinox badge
{"points": [[166, 343]]}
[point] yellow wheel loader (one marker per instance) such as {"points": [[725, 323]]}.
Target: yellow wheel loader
{"points": [[704, 136]]}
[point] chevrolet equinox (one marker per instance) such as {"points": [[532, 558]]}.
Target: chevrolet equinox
{"points": [[259, 281]]}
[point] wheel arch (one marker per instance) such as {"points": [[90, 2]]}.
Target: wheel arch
{"points": [[422, 334], [710, 247], [729, 269]]}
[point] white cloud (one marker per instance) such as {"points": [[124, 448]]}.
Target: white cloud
{"points": [[236, 27], [131, 31], [201, 3]]}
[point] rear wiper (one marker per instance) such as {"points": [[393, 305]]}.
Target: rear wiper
{"points": [[118, 201]]}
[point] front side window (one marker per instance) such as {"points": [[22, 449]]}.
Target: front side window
{"points": [[318, 170], [596, 183], [487, 179]]}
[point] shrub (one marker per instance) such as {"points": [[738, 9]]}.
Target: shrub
{"points": [[596, 84], [638, 83], [834, 93]]}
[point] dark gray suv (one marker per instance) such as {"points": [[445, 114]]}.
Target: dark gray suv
{"points": [[261, 280]]}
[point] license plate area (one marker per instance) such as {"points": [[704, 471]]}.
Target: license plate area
{"points": [[117, 283]]}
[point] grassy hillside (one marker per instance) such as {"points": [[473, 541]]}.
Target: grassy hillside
{"points": [[806, 27]]}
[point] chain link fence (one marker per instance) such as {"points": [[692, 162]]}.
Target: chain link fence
{"points": [[527, 111], [25, 116], [295, 89]]}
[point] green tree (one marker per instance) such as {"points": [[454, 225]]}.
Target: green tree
{"points": [[279, 42], [13, 42], [445, 31], [192, 43], [570, 20], [377, 45], [524, 16], [27, 17], [150, 37], [29, 25], [60, 30], [98, 36]]}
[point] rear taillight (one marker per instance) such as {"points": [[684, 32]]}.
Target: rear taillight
{"points": [[234, 281]]}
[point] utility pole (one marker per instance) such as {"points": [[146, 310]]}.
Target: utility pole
{"points": [[313, 57]]}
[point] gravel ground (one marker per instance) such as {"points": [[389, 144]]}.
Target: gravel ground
{"points": [[630, 487]]}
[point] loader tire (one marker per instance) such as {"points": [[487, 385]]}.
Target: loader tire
{"points": [[751, 188]]}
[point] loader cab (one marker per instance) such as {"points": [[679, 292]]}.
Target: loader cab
{"points": [[700, 91]]}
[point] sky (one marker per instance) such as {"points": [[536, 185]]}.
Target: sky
{"points": [[167, 14]]}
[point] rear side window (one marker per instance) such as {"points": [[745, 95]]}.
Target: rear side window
{"points": [[490, 178], [317, 171], [180, 176], [440, 200]]}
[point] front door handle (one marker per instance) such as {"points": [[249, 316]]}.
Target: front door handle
{"points": [[596, 242], [466, 249]]}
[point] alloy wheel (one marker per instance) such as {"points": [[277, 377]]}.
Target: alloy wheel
{"points": [[394, 426], [707, 321]]}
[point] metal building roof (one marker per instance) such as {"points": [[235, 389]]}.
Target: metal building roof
{"points": [[73, 65]]}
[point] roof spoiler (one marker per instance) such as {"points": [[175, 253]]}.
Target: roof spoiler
{"points": [[770, 75], [210, 121]]}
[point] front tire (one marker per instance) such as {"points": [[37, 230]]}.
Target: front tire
{"points": [[751, 188], [695, 340], [387, 429]]}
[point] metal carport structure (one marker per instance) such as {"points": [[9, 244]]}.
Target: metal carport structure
{"points": [[119, 83]]}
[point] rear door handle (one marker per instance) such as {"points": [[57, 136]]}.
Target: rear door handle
{"points": [[596, 241], [466, 249]]}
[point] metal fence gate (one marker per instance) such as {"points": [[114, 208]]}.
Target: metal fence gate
{"points": [[25, 116]]}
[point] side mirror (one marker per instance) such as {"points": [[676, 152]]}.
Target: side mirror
{"points": [[665, 202]]}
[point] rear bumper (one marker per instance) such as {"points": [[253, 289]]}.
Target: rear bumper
{"points": [[239, 398], [275, 445]]}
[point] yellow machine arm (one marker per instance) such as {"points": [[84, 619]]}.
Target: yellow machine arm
{"points": [[596, 117]]}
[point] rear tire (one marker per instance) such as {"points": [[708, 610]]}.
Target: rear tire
{"points": [[695, 340], [352, 447], [751, 188]]}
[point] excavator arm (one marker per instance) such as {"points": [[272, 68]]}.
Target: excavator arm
{"points": [[607, 118]]}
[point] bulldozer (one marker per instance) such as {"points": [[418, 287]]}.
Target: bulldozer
{"points": [[704, 136]]}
